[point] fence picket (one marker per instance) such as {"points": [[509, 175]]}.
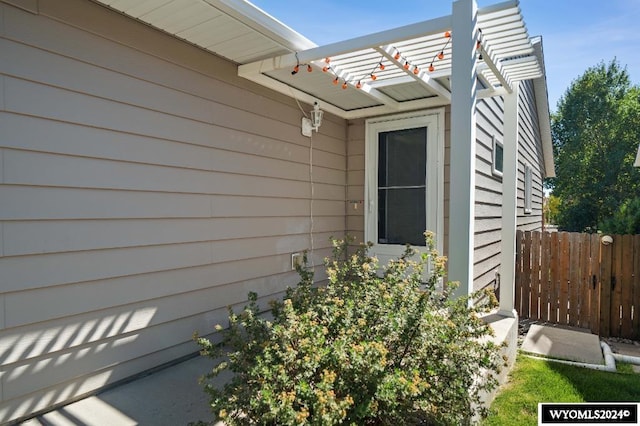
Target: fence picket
{"points": [[554, 294], [572, 284], [626, 283], [594, 285], [545, 258], [635, 333], [526, 270], [535, 275], [585, 273]]}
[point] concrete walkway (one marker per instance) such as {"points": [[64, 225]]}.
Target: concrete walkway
{"points": [[170, 397], [571, 344]]}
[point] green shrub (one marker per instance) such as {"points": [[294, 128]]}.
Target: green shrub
{"points": [[625, 220], [370, 348]]}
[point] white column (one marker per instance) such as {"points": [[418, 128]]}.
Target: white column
{"points": [[509, 203], [463, 145]]}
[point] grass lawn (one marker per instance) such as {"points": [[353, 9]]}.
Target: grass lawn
{"points": [[533, 381]]}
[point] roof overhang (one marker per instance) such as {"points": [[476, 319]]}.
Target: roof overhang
{"points": [[506, 55]]}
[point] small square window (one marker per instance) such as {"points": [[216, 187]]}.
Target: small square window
{"points": [[497, 164], [528, 187]]}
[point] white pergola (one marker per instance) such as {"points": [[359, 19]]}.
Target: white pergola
{"points": [[507, 53], [488, 52]]}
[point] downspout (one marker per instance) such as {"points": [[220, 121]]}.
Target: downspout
{"points": [[609, 360]]}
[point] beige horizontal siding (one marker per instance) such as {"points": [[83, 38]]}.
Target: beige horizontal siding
{"points": [[488, 194], [144, 187]]}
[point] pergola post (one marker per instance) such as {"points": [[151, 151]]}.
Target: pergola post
{"points": [[463, 145], [509, 203]]}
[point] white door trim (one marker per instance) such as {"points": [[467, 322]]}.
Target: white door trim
{"points": [[434, 121]]}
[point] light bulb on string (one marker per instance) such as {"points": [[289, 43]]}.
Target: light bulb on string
{"points": [[335, 81], [374, 77], [344, 85], [381, 66], [416, 70], [441, 55], [406, 65], [309, 68], [358, 85], [431, 68]]}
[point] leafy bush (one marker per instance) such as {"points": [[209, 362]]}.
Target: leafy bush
{"points": [[370, 348]]}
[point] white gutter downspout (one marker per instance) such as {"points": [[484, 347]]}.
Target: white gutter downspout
{"points": [[609, 360]]}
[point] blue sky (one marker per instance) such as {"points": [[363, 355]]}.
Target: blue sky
{"points": [[577, 34]]}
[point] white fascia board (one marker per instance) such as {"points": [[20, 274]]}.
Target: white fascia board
{"points": [[381, 38], [542, 107], [260, 21]]}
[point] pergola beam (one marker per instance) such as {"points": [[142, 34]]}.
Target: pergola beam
{"points": [[381, 38], [495, 67], [422, 77]]}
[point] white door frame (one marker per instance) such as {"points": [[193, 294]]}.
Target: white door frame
{"points": [[433, 120]]}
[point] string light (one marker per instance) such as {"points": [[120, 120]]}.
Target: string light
{"points": [[380, 66], [440, 55]]}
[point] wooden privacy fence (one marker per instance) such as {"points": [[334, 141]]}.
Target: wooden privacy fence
{"points": [[574, 279]]}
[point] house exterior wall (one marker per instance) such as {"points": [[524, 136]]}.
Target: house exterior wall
{"points": [[144, 187]]}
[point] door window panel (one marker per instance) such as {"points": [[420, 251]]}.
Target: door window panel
{"points": [[402, 160]]}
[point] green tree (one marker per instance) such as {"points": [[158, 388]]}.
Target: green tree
{"points": [[626, 220], [551, 206], [595, 136]]}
